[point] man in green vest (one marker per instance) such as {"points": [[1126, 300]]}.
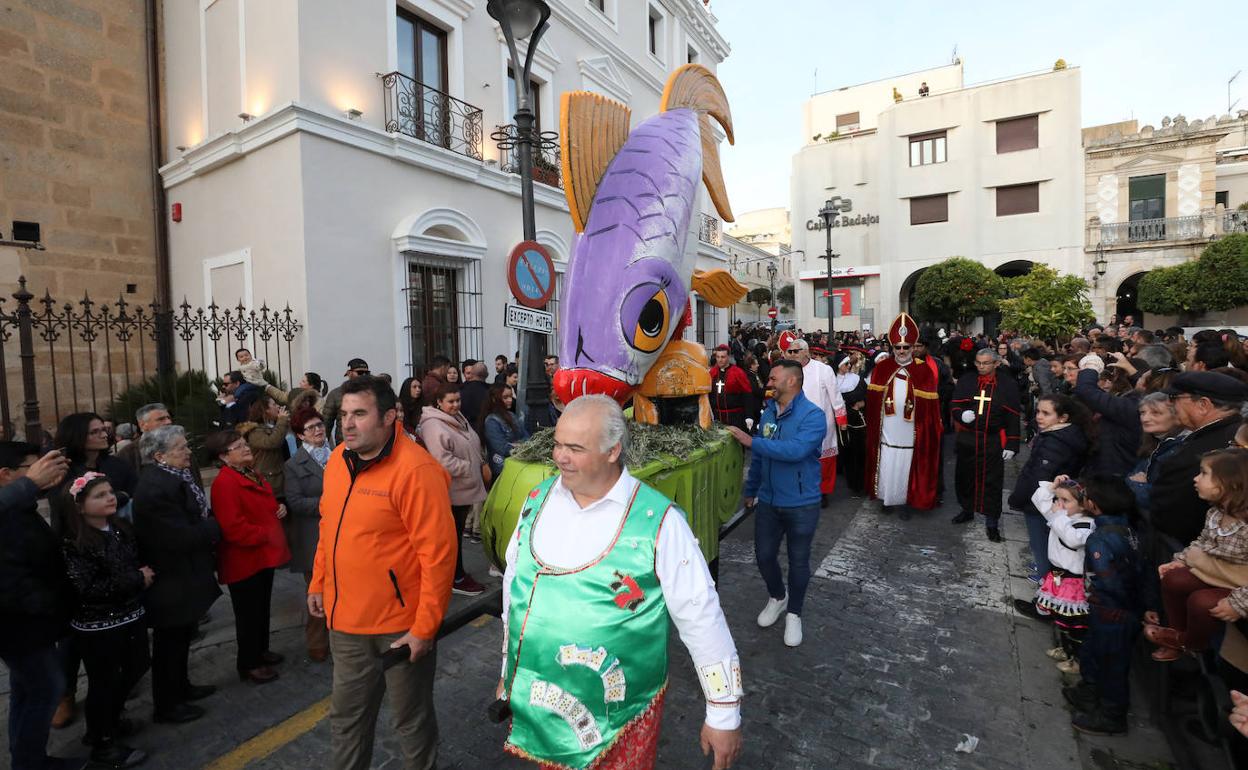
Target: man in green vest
{"points": [[596, 566]]}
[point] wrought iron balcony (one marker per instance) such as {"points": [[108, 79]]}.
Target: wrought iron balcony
{"points": [[1152, 230], [709, 230], [425, 113], [547, 167]]}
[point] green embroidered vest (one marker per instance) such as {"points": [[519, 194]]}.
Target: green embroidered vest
{"points": [[586, 647]]}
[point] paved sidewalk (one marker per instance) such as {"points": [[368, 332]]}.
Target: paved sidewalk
{"points": [[910, 645]]}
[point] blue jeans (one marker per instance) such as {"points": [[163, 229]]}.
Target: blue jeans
{"points": [[1105, 658], [1038, 539], [797, 527], [35, 687]]}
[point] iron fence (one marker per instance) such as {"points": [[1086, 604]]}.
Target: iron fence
{"points": [[709, 230], [81, 355], [425, 113]]}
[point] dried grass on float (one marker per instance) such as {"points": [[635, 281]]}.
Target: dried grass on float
{"points": [[647, 443]]}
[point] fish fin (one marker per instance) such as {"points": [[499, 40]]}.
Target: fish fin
{"points": [[695, 87], [592, 129], [718, 287], [644, 410], [712, 173]]}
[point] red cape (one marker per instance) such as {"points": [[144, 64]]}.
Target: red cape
{"points": [[925, 466]]}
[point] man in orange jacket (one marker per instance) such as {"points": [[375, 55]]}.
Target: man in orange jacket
{"points": [[382, 577]]}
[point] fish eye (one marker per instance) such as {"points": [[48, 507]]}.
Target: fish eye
{"points": [[648, 332]]}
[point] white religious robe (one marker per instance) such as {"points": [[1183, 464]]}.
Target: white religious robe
{"points": [[820, 387], [896, 447], [568, 535]]}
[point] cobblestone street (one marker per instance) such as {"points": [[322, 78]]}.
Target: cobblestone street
{"points": [[910, 645]]}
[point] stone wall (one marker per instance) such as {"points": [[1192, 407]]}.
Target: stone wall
{"points": [[74, 146], [74, 129]]}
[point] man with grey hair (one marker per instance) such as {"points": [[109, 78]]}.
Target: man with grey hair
{"points": [[616, 558], [985, 411], [149, 417]]}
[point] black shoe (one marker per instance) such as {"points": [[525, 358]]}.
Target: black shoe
{"points": [[179, 714], [1028, 609], [125, 728], [199, 691], [1105, 720], [824, 500], [962, 518], [1083, 697], [994, 534], [118, 755], [271, 658]]}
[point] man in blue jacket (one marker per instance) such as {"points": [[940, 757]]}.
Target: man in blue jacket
{"points": [[783, 488]]}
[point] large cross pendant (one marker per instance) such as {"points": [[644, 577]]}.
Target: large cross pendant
{"points": [[982, 398], [719, 387]]}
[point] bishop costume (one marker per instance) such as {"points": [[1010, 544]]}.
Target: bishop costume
{"points": [[903, 427], [980, 466]]}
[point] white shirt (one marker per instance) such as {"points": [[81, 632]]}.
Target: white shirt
{"points": [[568, 535], [819, 386]]}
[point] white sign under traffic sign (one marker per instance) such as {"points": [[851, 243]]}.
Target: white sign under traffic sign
{"points": [[528, 319]]}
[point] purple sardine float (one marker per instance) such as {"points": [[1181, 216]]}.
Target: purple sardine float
{"points": [[632, 196]]}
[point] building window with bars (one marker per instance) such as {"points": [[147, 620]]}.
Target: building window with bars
{"points": [[708, 324], [444, 310]]}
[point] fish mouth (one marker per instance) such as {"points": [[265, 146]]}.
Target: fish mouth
{"points": [[570, 384]]}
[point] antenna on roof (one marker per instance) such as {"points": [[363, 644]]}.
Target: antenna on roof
{"points": [[1229, 104]]}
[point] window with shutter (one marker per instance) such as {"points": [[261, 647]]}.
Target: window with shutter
{"points": [[929, 208], [1018, 199], [1018, 134], [847, 122]]}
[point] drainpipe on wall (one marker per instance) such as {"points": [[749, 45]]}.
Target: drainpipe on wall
{"points": [[163, 300]]}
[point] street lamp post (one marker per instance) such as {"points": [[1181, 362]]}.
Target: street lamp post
{"points": [[833, 207], [521, 19], [771, 273]]}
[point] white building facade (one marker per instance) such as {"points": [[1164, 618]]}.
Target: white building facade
{"points": [[337, 157], [992, 172]]}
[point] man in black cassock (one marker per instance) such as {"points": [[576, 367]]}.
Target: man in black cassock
{"points": [[985, 415]]}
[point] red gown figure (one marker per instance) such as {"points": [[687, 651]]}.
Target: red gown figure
{"points": [[903, 424]]}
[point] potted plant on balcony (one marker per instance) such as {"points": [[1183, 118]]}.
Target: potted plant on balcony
{"points": [[545, 170]]}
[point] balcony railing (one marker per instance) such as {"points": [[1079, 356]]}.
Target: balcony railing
{"points": [[1235, 222], [1150, 230], [425, 113], [547, 167], [709, 230]]}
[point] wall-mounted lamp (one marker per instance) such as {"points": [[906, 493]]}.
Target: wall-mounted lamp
{"points": [[247, 117], [180, 148], [354, 114]]}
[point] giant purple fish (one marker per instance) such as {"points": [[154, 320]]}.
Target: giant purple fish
{"points": [[632, 196]]}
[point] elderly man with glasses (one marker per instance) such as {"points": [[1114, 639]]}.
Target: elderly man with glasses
{"points": [[1208, 404], [819, 386], [903, 425]]}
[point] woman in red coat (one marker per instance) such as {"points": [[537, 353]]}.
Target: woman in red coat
{"points": [[252, 545]]}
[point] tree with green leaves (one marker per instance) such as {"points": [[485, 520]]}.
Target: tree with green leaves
{"points": [[1217, 280], [760, 296], [785, 295], [959, 290], [1044, 304]]}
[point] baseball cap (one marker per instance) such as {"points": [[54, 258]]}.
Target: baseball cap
{"points": [[357, 365]]}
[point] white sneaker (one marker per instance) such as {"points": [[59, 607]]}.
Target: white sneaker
{"points": [[772, 612], [792, 630]]}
